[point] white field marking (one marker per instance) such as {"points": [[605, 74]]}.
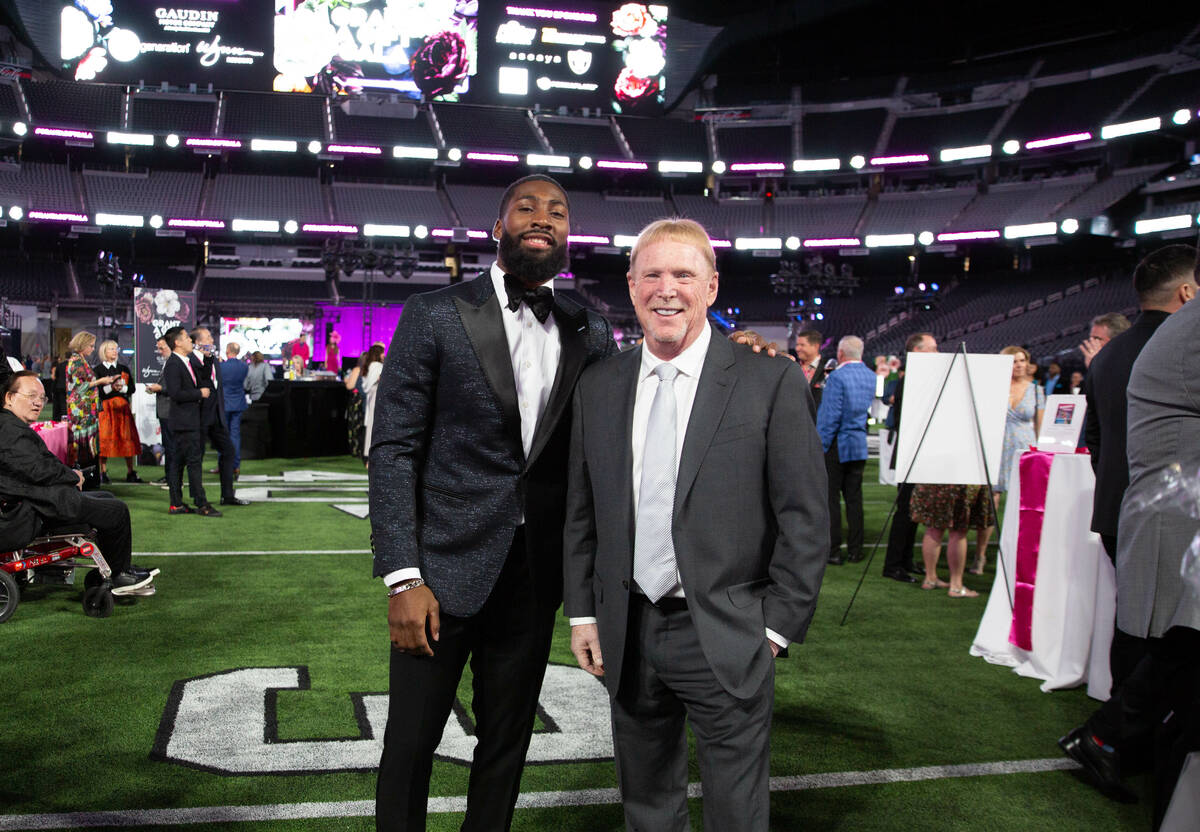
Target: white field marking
{"points": [[304, 477], [529, 800], [275, 495], [359, 510], [252, 552]]}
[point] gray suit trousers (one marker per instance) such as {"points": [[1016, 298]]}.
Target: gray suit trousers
{"points": [[666, 679]]}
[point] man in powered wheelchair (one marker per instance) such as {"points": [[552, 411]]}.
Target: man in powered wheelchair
{"points": [[39, 495]]}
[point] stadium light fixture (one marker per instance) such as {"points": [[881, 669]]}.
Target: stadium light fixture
{"points": [[890, 240], [140, 139], [213, 144], [20, 128], [1033, 229], [472, 233], [624, 240], [832, 242], [718, 167], [757, 243], [186, 222], [291, 226], [1153, 226], [792, 243], [925, 238], [376, 230], [957, 154], [326, 228], [274, 145], [548, 161], [172, 140], [401, 151], [454, 154], [592, 239], [757, 167], [421, 232], [121, 220], [156, 221], [621, 164], [959, 236], [271, 226], [858, 161], [1069, 226], [56, 216], [1182, 116], [1055, 141], [314, 146], [1130, 128], [585, 162], [355, 149], [809, 165], [63, 133], [1011, 146], [715, 243], [668, 166], [905, 159], [497, 158]]}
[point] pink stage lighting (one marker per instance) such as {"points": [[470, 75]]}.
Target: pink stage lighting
{"points": [[753, 166], [506, 158], [551, 14], [587, 238], [955, 236], [183, 222], [57, 216], [360, 149], [1054, 141], [448, 232], [720, 243], [326, 228], [615, 164], [225, 144], [908, 159], [58, 133], [832, 242]]}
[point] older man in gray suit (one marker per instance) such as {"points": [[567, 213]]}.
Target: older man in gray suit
{"points": [[696, 536], [1152, 600]]}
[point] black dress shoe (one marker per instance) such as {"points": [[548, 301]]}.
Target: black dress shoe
{"points": [[1103, 766], [900, 575], [132, 476], [104, 480], [855, 558], [207, 510], [919, 571], [836, 560], [161, 481], [234, 501], [181, 510]]}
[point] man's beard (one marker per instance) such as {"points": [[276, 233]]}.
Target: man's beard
{"points": [[533, 268]]}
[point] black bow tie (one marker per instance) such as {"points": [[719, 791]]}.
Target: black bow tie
{"points": [[539, 300]]}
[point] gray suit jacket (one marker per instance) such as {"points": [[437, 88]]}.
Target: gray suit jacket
{"points": [[449, 477], [751, 525], [1164, 429]]}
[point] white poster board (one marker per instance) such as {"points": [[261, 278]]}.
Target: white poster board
{"points": [[1061, 423], [950, 453]]}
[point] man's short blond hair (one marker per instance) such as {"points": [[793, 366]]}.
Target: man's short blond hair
{"points": [[680, 230], [81, 341]]}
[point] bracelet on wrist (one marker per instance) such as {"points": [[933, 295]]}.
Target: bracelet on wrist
{"points": [[405, 586]]}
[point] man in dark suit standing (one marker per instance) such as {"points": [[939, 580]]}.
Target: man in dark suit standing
{"points": [[186, 394], [808, 356], [232, 375], [695, 541], [162, 408], [213, 424], [467, 495]]}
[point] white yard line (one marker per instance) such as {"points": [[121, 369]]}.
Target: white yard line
{"points": [[584, 797], [252, 552]]}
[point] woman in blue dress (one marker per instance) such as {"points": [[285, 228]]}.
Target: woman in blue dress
{"points": [[1026, 401]]}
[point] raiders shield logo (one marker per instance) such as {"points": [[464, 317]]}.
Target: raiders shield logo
{"points": [[579, 60]]}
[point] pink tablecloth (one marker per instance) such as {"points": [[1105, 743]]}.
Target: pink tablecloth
{"points": [[54, 434]]}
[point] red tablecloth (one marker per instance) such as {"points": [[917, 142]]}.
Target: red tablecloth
{"points": [[54, 434]]}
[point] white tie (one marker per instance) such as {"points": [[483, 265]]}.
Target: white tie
{"points": [[653, 548]]}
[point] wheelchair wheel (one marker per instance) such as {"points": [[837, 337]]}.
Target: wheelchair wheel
{"points": [[92, 579], [98, 602], [10, 596]]}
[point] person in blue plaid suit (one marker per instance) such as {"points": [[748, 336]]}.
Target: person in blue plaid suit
{"points": [[842, 425]]}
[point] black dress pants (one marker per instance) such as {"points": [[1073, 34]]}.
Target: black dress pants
{"points": [[903, 534], [189, 453], [508, 642], [218, 434], [845, 481], [109, 516], [168, 443]]}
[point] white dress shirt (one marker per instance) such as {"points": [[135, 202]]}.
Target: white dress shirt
{"points": [[689, 363], [534, 349]]}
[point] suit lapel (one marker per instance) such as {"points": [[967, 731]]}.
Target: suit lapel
{"points": [[712, 395], [485, 330], [571, 330], [620, 416]]}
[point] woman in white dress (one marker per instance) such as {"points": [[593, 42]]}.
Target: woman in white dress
{"points": [[372, 369]]}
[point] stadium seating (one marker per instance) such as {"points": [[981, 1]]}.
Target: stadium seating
{"points": [[165, 192], [363, 202], [358, 129], [494, 129], [651, 138], [272, 115], [64, 104], [38, 186], [593, 137], [258, 196], [173, 115], [755, 144]]}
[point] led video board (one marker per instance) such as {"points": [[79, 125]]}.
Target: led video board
{"points": [[223, 42]]}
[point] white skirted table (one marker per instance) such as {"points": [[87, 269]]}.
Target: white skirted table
{"points": [[1060, 627]]}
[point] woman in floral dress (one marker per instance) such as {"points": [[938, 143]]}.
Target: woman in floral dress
{"points": [[82, 402]]}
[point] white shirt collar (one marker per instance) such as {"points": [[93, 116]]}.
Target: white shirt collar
{"points": [[689, 362], [501, 290]]}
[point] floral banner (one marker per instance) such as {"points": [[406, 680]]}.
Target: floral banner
{"points": [[154, 312]]}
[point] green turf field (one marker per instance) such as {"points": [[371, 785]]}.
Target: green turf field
{"points": [[865, 713]]}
